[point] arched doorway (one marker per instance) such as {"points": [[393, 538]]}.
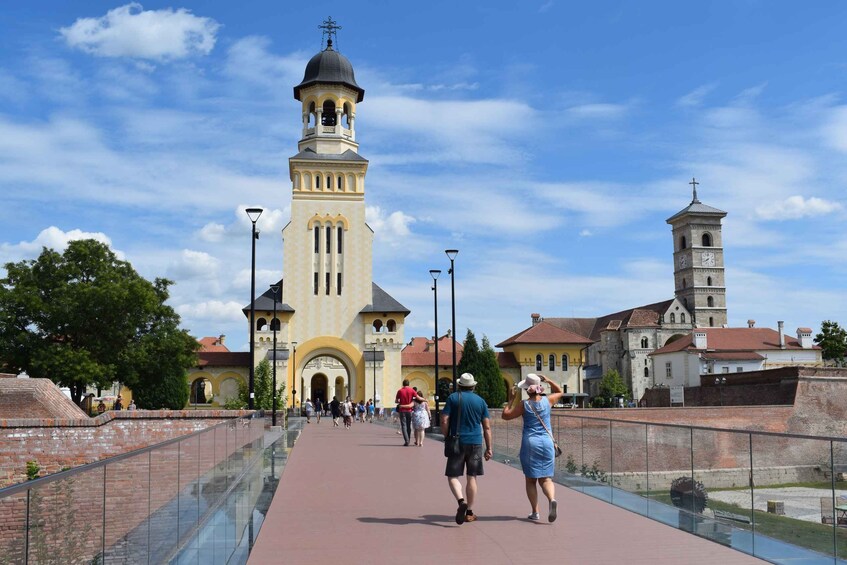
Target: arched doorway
{"points": [[340, 389], [319, 388], [201, 391]]}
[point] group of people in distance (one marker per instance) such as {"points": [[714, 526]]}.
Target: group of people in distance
{"points": [[468, 414], [347, 411]]}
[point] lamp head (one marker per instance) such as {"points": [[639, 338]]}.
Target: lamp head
{"points": [[451, 253], [254, 213], [434, 273], [275, 289]]}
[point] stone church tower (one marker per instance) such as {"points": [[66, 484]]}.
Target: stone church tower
{"points": [[699, 262], [338, 332]]}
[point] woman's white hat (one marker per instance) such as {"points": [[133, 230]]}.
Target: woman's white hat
{"points": [[466, 380], [531, 379]]}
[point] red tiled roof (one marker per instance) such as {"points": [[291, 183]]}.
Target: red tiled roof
{"points": [[223, 359], [544, 332], [733, 356], [507, 360], [212, 344], [640, 317], [420, 352], [733, 339]]}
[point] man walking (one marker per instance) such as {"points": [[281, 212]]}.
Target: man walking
{"points": [[405, 401], [469, 415]]}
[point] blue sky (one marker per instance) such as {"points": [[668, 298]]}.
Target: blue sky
{"points": [[547, 141]]}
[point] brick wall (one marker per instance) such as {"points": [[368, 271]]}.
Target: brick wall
{"points": [[35, 398]]}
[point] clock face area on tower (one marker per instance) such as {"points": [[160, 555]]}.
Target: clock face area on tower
{"points": [[708, 258]]}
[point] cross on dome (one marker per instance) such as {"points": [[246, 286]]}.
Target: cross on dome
{"points": [[694, 184], [329, 28]]}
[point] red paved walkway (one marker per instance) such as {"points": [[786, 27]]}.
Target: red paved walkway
{"points": [[359, 496]]}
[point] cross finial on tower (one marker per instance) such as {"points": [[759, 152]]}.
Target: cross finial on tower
{"points": [[329, 27], [694, 184]]}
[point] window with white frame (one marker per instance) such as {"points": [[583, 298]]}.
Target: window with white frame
{"points": [[668, 371]]}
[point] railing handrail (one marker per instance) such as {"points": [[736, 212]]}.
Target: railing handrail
{"points": [[703, 428], [61, 475]]}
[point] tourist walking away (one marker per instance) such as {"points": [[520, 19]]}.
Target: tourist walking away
{"points": [[347, 412], [360, 411], [465, 416], [405, 399], [318, 410], [371, 409], [538, 451], [420, 419], [335, 410], [118, 405], [309, 409]]}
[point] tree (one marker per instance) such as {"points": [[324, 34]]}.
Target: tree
{"points": [[833, 341], [262, 388], [612, 385], [85, 318], [486, 372], [160, 361], [496, 389]]}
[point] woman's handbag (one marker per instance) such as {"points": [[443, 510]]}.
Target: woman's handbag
{"points": [[452, 445], [556, 448]]}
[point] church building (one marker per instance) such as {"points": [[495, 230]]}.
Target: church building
{"points": [[338, 333]]}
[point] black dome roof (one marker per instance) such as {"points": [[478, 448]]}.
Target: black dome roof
{"points": [[329, 67]]}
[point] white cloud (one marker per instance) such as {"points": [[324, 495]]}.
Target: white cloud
{"points": [[213, 311], [795, 207], [585, 233], [545, 7], [212, 232], [194, 264], [695, 98], [391, 227], [130, 31], [597, 111], [51, 238]]}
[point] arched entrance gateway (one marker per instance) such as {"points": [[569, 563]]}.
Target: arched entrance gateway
{"points": [[328, 367]]}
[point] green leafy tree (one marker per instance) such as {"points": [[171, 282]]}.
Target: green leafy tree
{"points": [[833, 342], [262, 388], [612, 385], [159, 378], [495, 386], [85, 318]]}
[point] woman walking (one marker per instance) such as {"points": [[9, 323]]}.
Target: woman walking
{"points": [[420, 418], [309, 409], [538, 455]]}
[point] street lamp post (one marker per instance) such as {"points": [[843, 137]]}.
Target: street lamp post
{"points": [[373, 360], [275, 289], [434, 273], [253, 214], [719, 382], [294, 377], [451, 253]]}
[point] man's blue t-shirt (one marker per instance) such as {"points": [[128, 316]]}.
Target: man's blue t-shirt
{"points": [[474, 411]]}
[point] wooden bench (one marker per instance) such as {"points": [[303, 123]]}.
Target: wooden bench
{"points": [[733, 517]]}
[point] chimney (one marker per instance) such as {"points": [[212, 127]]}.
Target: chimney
{"points": [[700, 341], [221, 339], [804, 336], [535, 318], [751, 323], [780, 325]]}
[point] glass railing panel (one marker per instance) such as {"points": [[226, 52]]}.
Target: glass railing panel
{"points": [[628, 466], [596, 456], [13, 531], [189, 473], [568, 431], [212, 485], [792, 496], [164, 502], [718, 498], [668, 459], [127, 508], [66, 519]]}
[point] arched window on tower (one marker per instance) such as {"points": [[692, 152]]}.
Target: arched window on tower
{"points": [[328, 117], [538, 362], [645, 343], [317, 239], [377, 326], [707, 240], [317, 181], [313, 118], [329, 182], [646, 373], [684, 283], [340, 247], [682, 318], [275, 324], [711, 321], [391, 326], [565, 362], [683, 243], [346, 116], [673, 318], [260, 324], [340, 182], [551, 362], [708, 281], [710, 301]]}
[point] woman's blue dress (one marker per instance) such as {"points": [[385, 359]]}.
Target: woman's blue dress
{"points": [[538, 459]]}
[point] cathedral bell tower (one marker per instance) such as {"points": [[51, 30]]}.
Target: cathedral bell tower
{"points": [[698, 261]]}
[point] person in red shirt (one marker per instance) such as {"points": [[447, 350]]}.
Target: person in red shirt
{"points": [[405, 401]]}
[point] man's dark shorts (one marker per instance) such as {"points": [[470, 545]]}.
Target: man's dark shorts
{"points": [[471, 456]]}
